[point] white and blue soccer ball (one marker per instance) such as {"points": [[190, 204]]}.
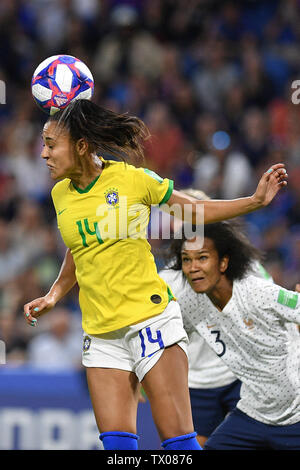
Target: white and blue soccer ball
{"points": [[60, 79]]}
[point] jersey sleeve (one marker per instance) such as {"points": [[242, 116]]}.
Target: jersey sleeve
{"points": [[282, 303], [153, 189]]}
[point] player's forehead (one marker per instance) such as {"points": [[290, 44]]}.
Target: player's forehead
{"points": [[54, 131], [198, 245]]}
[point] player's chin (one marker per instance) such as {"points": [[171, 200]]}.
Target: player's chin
{"points": [[198, 286], [55, 174]]}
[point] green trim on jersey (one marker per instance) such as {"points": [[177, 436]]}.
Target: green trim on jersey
{"points": [[89, 186], [154, 175], [264, 272], [170, 295], [168, 193]]}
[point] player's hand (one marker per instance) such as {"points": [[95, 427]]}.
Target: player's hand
{"points": [[36, 308], [270, 183], [297, 288]]}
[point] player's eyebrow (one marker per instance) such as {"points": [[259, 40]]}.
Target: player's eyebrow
{"points": [[48, 138], [198, 252]]}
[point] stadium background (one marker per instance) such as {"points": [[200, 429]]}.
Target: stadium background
{"points": [[213, 81]]}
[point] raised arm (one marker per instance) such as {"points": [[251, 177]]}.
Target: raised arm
{"points": [[216, 210], [62, 285]]}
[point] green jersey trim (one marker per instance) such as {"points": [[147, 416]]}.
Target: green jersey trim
{"points": [[264, 272], [170, 295], [153, 175], [89, 186], [168, 193]]}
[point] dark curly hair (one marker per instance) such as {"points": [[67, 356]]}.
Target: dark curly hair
{"points": [[229, 240]]}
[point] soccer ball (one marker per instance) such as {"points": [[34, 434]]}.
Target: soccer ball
{"points": [[60, 79]]}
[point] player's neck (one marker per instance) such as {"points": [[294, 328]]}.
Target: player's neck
{"points": [[221, 293], [89, 171]]}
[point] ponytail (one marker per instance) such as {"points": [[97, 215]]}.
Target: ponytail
{"points": [[105, 131]]}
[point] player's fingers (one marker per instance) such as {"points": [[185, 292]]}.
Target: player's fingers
{"points": [[30, 310], [279, 172], [278, 176], [276, 166], [297, 288]]}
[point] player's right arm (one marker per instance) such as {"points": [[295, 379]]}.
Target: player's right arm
{"points": [[62, 285]]}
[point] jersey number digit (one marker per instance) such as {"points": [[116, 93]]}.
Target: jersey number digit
{"points": [[218, 340], [87, 230], [158, 340]]}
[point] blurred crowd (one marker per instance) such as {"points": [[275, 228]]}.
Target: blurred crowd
{"points": [[213, 82]]}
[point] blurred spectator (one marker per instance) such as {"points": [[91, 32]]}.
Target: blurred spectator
{"points": [[14, 338], [29, 229], [127, 49], [215, 76], [47, 263], [258, 87], [30, 172], [59, 347], [164, 150], [219, 169], [223, 173], [13, 259], [234, 109], [184, 107], [9, 197], [255, 135]]}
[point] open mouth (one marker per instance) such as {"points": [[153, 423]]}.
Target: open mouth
{"points": [[197, 279]]}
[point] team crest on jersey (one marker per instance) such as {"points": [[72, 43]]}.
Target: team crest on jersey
{"points": [[249, 323], [86, 343], [112, 197]]}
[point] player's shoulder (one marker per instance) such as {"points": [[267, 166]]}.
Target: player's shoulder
{"points": [[117, 166], [174, 279], [60, 187], [253, 289], [170, 275], [250, 281], [123, 172]]}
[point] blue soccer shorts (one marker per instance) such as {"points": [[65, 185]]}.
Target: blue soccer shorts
{"points": [[240, 432], [211, 405]]}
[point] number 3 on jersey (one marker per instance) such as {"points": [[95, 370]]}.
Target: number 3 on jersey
{"points": [[218, 340], [151, 340]]}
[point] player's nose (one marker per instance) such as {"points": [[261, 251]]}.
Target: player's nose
{"points": [[44, 152], [194, 266]]}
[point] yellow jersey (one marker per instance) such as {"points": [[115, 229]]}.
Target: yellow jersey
{"points": [[105, 228]]}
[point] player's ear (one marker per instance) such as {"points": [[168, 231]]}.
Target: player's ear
{"points": [[81, 146], [224, 264]]}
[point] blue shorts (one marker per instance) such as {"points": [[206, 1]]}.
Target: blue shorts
{"points": [[240, 432], [211, 405]]}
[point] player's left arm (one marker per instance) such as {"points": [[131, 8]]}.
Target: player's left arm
{"points": [[283, 303], [216, 210]]}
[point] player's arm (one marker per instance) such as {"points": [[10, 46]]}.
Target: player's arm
{"points": [[217, 210], [62, 285]]}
